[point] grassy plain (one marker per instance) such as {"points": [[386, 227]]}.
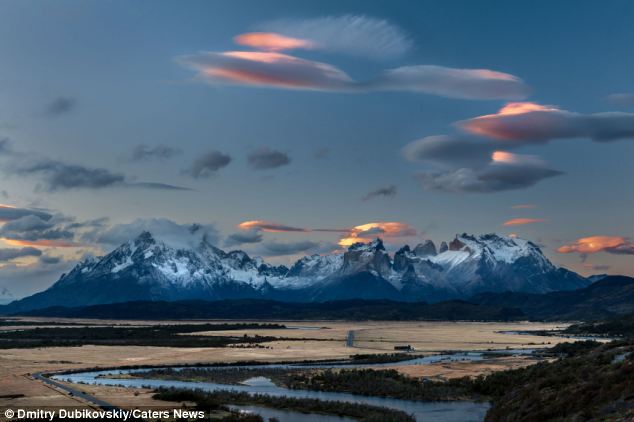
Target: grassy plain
{"points": [[310, 340]]}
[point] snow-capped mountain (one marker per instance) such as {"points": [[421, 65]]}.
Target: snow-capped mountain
{"points": [[149, 269]]}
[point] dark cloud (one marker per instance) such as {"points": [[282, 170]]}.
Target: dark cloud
{"points": [[349, 34], [471, 84], [60, 105], [387, 191], [534, 123], [266, 158], [452, 151], [494, 177], [208, 164], [160, 152], [248, 236], [597, 267], [274, 248], [8, 213], [57, 175], [157, 186], [50, 260], [31, 229], [8, 254]]}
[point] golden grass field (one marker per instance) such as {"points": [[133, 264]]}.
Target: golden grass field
{"points": [[329, 341]]}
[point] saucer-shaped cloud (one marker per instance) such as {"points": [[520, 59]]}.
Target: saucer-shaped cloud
{"points": [[259, 68], [530, 122], [480, 84]]}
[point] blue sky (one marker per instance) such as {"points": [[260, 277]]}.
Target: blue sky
{"points": [[85, 84]]}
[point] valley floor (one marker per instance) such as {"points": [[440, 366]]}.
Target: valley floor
{"points": [[306, 340]]}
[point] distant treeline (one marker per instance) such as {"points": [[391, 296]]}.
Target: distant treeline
{"points": [[385, 310], [153, 335]]}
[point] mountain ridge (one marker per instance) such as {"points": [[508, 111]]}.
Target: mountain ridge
{"points": [[145, 268]]}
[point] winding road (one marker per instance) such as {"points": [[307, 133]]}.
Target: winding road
{"points": [[73, 391]]}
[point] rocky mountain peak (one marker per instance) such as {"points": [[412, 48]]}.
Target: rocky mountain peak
{"points": [[427, 248]]}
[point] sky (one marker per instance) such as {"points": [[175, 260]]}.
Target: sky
{"points": [[288, 128]]}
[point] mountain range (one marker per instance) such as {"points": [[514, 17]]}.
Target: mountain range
{"points": [[146, 268]]}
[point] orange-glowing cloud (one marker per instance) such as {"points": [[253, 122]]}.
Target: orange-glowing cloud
{"points": [[272, 41], [268, 226], [365, 233], [593, 244], [519, 120], [523, 221], [42, 243], [522, 107], [504, 157]]}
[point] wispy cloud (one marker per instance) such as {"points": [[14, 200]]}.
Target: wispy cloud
{"points": [[523, 221], [386, 191], [161, 152], [268, 226], [348, 34]]}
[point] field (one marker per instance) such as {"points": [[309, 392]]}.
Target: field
{"points": [[303, 341]]}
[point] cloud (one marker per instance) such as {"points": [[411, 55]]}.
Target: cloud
{"points": [[50, 260], [523, 206], [60, 105], [9, 213], [265, 69], [622, 99], [367, 232], [208, 164], [349, 34], [268, 226], [271, 41], [57, 175], [32, 230], [523, 221], [471, 84], [9, 254], [274, 248], [180, 235], [535, 123], [160, 152], [450, 150], [588, 245], [157, 186], [505, 171], [249, 236], [265, 158], [387, 191]]}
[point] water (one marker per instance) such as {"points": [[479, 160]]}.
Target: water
{"points": [[457, 411], [288, 415]]}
